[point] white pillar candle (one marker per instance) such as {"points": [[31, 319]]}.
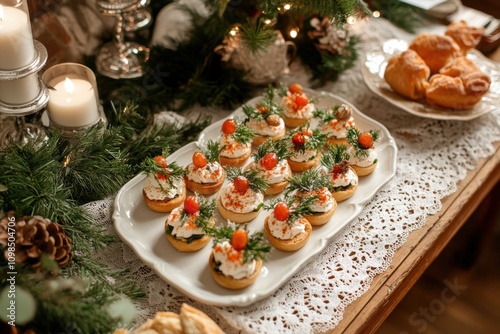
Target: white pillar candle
{"points": [[20, 91], [72, 101], [16, 41]]}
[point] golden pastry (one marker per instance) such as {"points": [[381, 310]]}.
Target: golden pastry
{"points": [[407, 74], [467, 37], [435, 50]]}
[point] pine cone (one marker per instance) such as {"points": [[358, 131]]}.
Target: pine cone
{"points": [[328, 38], [36, 236]]}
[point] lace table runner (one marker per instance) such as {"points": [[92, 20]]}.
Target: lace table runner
{"points": [[433, 156]]}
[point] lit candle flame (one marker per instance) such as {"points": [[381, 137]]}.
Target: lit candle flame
{"points": [[287, 6], [68, 86], [294, 32]]}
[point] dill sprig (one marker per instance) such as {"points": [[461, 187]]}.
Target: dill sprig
{"points": [[206, 212], [257, 246], [263, 109], [326, 115], [243, 134], [316, 140], [211, 150], [308, 181], [298, 206], [256, 183], [334, 155], [352, 138], [282, 149]]}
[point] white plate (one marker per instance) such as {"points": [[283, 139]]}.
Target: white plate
{"points": [[373, 67], [142, 228]]}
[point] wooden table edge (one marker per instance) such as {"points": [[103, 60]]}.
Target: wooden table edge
{"points": [[368, 312]]}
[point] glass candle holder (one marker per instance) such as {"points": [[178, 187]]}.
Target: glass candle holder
{"points": [[16, 40], [73, 96]]}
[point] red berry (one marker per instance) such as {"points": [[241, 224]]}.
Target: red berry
{"points": [[239, 240], [241, 184], [269, 161], [295, 89], [160, 161], [365, 140], [301, 100], [191, 204], [281, 211], [199, 160], [229, 126], [298, 139]]}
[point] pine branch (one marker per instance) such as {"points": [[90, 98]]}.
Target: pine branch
{"points": [[95, 156], [256, 36]]}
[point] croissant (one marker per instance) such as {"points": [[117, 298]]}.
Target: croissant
{"points": [[461, 92], [459, 67], [407, 75], [435, 50], [467, 37]]}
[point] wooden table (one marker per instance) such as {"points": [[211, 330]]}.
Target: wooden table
{"points": [[368, 312]]}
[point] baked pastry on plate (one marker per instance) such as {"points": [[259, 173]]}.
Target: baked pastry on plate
{"points": [[313, 183], [236, 141], [186, 226], [189, 320], [285, 227], [306, 148], [460, 84], [408, 74], [205, 174], [297, 108], [342, 178], [435, 50], [164, 187], [334, 122], [236, 258], [362, 154], [467, 37], [265, 119], [242, 198], [270, 163]]}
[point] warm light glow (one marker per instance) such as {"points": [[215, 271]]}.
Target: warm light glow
{"points": [[376, 13], [287, 6], [1, 13], [351, 20], [234, 31], [294, 32], [69, 86], [267, 21]]}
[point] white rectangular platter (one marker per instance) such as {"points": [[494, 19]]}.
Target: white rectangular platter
{"points": [[143, 229]]}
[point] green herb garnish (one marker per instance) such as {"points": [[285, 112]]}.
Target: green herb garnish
{"points": [[255, 182]]}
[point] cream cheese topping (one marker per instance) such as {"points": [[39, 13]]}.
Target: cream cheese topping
{"points": [[362, 161], [278, 174], [336, 128], [211, 173], [281, 230], [290, 108], [324, 202], [304, 155], [233, 148], [237, 202], [344, 180], [185, 230], [261, 127], [231, 261], [154, 191]]}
